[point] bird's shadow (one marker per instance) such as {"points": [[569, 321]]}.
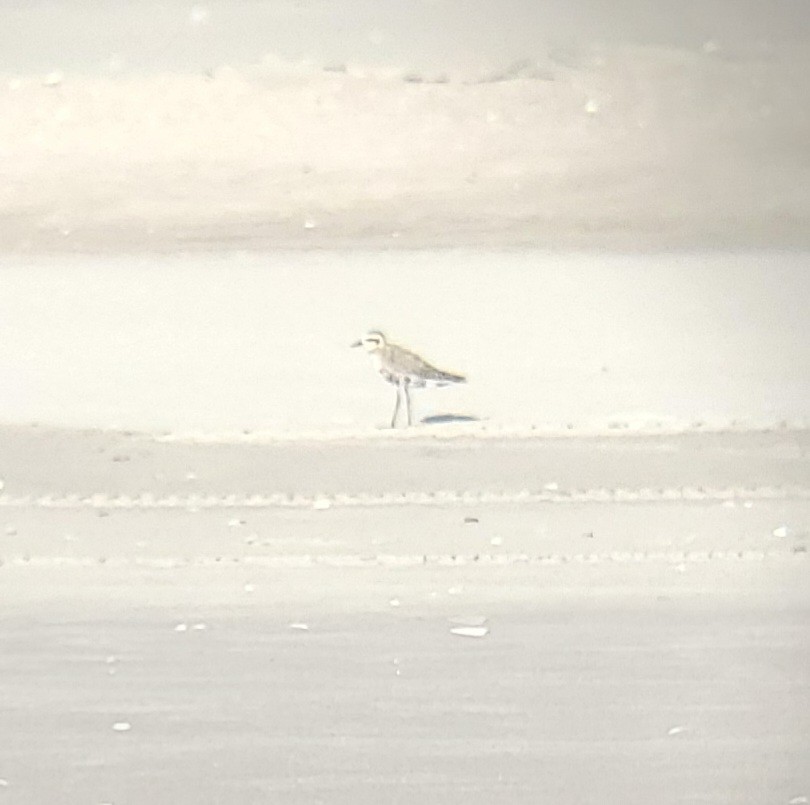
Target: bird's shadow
{"points": [[445, 419]]}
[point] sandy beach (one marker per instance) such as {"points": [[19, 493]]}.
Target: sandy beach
{"points": [[259, 126], [214, 623], [579, 578], [239, 346]]}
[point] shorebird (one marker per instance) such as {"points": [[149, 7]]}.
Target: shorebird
{"points": [[404, 369]]}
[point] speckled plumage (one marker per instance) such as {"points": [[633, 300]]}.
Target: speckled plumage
{"points": [[403, 368]]}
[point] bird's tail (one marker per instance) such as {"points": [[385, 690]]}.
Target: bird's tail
{"points": [[449, 377]]}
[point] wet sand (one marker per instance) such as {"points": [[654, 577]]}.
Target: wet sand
{"points": [[675, 686], [164, 638]]}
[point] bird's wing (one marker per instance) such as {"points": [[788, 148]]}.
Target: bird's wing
{"points": [[410, 363]]}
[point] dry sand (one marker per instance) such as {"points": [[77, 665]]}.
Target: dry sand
{"points": [[586, 125], [217, 345]]}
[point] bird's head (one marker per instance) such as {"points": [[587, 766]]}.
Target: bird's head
{"points": [[371, 341]]}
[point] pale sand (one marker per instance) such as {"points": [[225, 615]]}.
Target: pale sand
{"points": [[635, 651], [257, 126], [641, 582], [675, 687], [216, 345]]}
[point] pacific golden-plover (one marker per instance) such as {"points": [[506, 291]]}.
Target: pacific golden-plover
{"points": [[404, 369]]}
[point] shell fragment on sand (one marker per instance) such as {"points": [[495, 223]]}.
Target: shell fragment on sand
{"points": [[470, 631]]}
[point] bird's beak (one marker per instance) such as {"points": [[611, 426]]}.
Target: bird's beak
{"points": [[356, 344]]}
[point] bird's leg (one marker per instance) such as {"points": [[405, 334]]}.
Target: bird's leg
{"points": [[408, 401], [396, 409]]}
